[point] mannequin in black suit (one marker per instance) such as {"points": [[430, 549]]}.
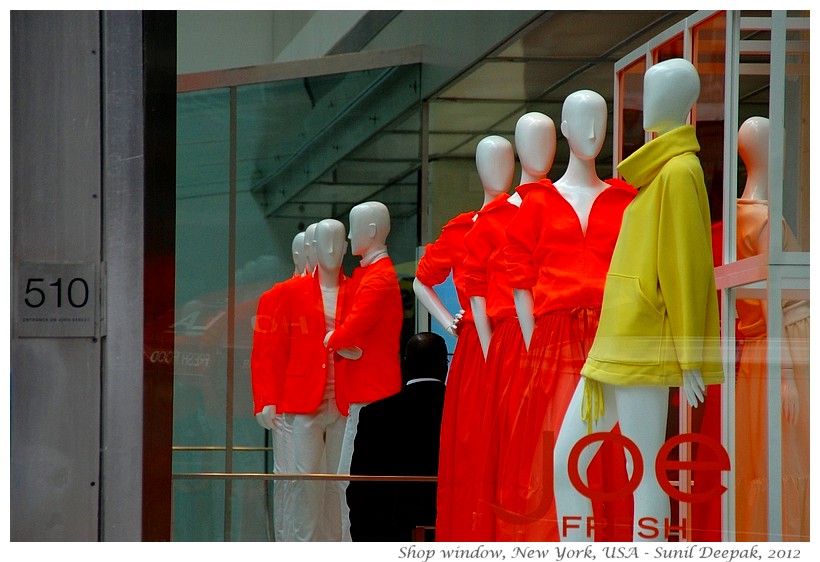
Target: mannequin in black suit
{"points": [[399, 436]]}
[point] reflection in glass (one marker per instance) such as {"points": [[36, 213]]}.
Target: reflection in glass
{"points": [[796, 139], [631, 85], [672, 49], [751, 419], [709, 54]]}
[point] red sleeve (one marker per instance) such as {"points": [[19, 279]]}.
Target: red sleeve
{"points": [[522, 239], [446, 253], [372, 293]]}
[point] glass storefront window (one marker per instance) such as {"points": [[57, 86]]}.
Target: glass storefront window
{"points": [[257, 163]]}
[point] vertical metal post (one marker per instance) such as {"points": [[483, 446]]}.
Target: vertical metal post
{"points": [[727, 323], [123, 250], [231, 312], [426, 200], [424, 206], [774, 321]]}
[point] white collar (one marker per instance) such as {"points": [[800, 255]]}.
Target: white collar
{"points": [[421, 379], [372, 256]]}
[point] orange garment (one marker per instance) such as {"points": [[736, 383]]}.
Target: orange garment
{"points": [[751, 409], [486, 276], [548, 253], [295, 351], [373, 324], [461, 418]]}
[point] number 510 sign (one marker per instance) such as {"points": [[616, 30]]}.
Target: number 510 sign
{"points": [[55, 300]]}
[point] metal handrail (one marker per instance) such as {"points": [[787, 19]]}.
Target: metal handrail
{"points": [[268, 476]]}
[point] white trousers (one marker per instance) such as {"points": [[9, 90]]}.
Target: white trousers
{"points": [[309, 510], [344, 463]]}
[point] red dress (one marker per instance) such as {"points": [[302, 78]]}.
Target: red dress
{"points": [[462, 411], [486, 276], [565, 268]]}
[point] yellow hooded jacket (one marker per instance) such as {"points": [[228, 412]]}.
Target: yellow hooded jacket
{"points": [[659, 315]]}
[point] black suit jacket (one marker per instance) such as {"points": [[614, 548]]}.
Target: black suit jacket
{"points": [[397, 435]]}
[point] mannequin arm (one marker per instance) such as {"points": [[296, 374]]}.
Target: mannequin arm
{"points": [[432, 303], [482, 323], [266, 418], [789, 401], [788, 396], [693, 387], [353, 352], [523, 307]]}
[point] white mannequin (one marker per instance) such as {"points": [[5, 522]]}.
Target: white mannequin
{"points": [[310, 248], [753, 148], [496, 165], [495, 162], [670, 90], [298, 252], [583, 123], [535, 144], [330, 247], [369, 227], [266, 417], [311, 442]]}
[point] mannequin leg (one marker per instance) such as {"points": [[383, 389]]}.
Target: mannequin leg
{"points": [[345, 458], [334, 489], [642, 415], [279, 486], [301, 443], [573, 508]]}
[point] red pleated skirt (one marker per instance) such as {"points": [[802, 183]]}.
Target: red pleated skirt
{"points": [[460, 435], [504, 371], [558, 350]]}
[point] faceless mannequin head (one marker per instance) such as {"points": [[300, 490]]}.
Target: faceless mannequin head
{"points": [[670, 89], [369, 227], [495, 162], [297, 250], [535, 144], [753, 141], [753, 147], [331, 244], [310, 246], [583, 123]]}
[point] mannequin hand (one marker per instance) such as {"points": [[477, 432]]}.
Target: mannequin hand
{"points": [[351, 352], [693, 387], [266, 417], [452, 329], [327, 337], [788, 400]]}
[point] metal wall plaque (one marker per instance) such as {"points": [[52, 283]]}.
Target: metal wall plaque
{"points": [[55, 300]]}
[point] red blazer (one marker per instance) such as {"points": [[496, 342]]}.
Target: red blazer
{"points": [[290, 367], [374, 325], [263, 361]]}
